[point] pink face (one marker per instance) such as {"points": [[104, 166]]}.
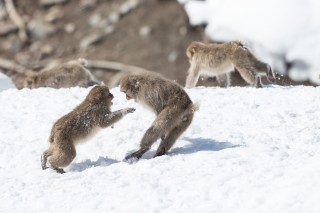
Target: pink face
{"points": [[128, 97]]}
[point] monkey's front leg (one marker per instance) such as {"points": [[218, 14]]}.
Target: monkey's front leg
{"points": [[137, 154], [151, 135], [258, 82], [193, 75], [113, 117]]}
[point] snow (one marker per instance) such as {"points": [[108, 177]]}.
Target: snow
{"points": [[247, 150], [277, 31], [5, 82]]}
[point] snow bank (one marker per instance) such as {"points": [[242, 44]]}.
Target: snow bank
{"points": [[247, 150], [5, 82], [278, 31]]}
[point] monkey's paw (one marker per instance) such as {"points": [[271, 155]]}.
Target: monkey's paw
{"points": [[131, 160], [130, 110]]}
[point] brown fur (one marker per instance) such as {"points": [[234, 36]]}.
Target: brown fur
{"points": [[69, 74], [77, 126], [169, 102], [220, 59]]}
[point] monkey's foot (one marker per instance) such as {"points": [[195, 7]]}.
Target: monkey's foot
{"points": [[61, 171], [161, 151], [138, 154]]}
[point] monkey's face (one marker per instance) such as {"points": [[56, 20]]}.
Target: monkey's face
{"points": [[130, 86], [100, 94]]}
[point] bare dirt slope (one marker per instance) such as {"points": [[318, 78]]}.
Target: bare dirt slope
{"points": [[151, 34]]}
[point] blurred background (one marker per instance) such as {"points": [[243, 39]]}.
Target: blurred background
{"points": [[154, 34]]}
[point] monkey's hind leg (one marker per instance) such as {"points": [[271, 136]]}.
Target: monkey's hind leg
{"points": [[223, 80], [62, 157], [173, 135], [258, 82], [158, 129]]}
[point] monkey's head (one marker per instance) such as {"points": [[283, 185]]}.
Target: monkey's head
{"points": [[130, 85], [100, 95], [192, 48], [30, 82]]}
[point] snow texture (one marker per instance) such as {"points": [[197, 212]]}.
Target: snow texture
{"points": [[5, 82], [248, 150], [279, 32]]}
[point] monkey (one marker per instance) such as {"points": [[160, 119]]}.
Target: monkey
{"points": [[78, 126], [220, 59], [172, 106], [70, 74]]}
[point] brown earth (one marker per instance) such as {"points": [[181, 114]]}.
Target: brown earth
{"points": [[152, 35]]}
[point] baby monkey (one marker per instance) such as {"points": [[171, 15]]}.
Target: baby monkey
{"points": [[77, 126], [171, 104], [221, 59]]}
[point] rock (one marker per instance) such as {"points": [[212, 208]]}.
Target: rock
{"points": [[88, 4], [127, 6], [70, 28], [7, 28], [46, 3], [46, 50], [40, 48], [40, 29], [172, 57], [183, 30], [145, 31], [91, 39], [3, 12], [54, 14], [109, 29], [12, 44], [96, 20], [114, 17]]}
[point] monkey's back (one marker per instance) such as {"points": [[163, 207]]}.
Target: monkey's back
{"points": [[163, 91], [65, 75]]}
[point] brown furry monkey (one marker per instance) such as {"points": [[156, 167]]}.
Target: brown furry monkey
{"points": [[77, 126], [220, 59], [170, 103], [65, 75]]}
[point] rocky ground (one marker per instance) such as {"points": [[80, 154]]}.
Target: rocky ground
{"points": [[152, 34]]}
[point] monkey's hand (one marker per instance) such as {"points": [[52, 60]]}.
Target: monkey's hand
{"points": [[129, 110]]}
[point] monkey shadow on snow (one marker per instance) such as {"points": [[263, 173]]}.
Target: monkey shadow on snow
{"points": [[101, 161], [202, 144], [196, 145]]}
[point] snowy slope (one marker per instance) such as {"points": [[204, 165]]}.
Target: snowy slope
{"points": [[248, 150], [278, 31], [5, 82]]}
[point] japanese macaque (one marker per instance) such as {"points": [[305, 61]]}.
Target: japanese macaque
{"points": [[77, 126], [69, 74], [220, 59], [170, 103]]}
